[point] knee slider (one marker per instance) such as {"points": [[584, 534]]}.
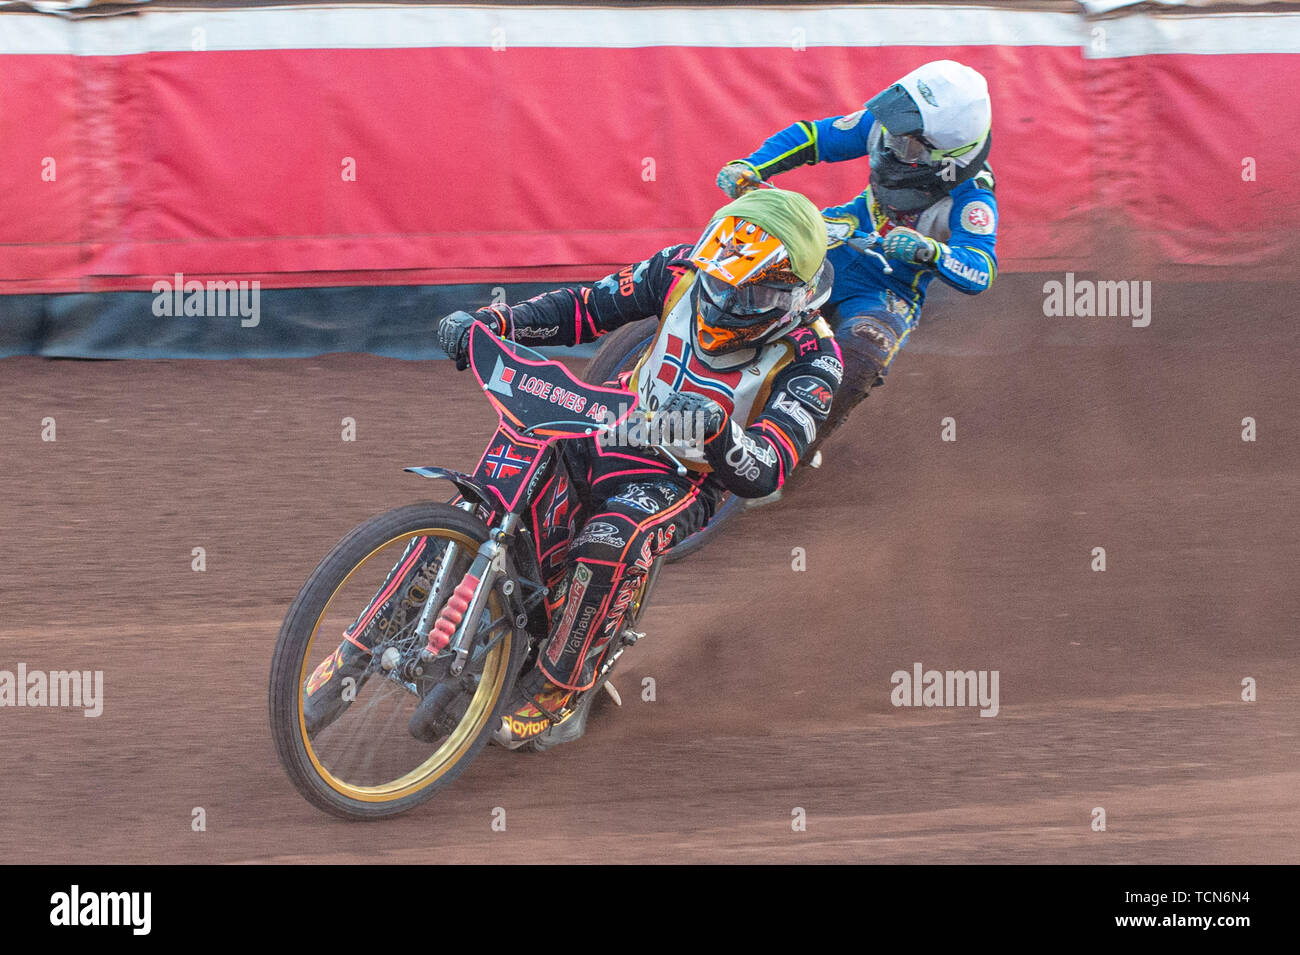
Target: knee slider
{"points": [[868, 345], [872, 337]]}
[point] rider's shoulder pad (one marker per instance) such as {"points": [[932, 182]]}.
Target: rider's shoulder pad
{"points": [[816, 353]]}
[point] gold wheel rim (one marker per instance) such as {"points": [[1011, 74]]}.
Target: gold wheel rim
{"points": [[452, 749]]}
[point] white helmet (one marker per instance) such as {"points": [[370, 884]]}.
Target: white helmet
{"points": [[940, 111], [931, 133]]}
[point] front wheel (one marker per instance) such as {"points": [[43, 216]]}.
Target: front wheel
{"points": [[343, 678]]}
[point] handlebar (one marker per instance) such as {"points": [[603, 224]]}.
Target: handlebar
{"points": [[867, 243]]}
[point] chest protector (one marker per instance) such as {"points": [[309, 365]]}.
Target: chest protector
{"points": [[931, 221], [672, 365]]}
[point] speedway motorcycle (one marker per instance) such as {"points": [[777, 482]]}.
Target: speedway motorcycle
{"points": [[428, 614]]}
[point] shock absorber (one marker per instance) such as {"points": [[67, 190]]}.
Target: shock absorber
{"points": [[453, 612], [470, 597]]}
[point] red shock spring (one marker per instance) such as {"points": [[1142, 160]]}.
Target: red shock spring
{"points": [[453, 612]]}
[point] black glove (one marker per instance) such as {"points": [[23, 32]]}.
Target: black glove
{"points": [[688, 415], [453, 336]]}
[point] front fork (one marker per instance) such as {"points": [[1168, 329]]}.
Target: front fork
{"points": [[457, 623]]}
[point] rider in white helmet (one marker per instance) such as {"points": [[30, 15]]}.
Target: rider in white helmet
{"points": [[930, 195]]}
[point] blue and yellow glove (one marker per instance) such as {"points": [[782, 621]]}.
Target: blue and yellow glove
{"points": [[908, 245]]}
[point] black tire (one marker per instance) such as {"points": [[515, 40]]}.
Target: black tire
{"points": [[730, 507], [619, 351], [293, 650]]}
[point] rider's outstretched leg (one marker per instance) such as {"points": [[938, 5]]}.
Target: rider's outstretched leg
{"points": [[870, 329]]}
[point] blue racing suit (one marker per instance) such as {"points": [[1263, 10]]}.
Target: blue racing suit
{"points": [[872, 312]]}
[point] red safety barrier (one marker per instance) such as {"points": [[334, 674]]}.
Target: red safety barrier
{"points": [[413, 164]]}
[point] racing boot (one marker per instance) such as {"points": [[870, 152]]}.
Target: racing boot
{"points": [[599, 590], [338, 679], [535, 707], [568, 729]]}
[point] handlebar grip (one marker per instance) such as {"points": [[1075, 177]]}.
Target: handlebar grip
{"points": [[870, 243]]}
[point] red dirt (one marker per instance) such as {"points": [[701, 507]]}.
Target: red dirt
{"points": [[1118, 689]]}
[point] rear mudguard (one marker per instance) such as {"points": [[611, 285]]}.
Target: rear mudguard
{"points": [[464, 483]]}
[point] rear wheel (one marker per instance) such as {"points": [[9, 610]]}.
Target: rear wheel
{"points": [[364, 763], [619, 351], [728, 509]]}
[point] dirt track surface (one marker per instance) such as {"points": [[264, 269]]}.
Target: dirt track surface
{"points": [[1119, 690]]}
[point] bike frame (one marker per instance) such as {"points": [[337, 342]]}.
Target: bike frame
{"points": [[520, 475]]}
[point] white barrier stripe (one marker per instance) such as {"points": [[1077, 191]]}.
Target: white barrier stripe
{"points": [[398, 27], [406, 27], [1141, 34]]}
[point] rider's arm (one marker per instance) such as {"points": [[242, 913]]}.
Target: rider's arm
{"points": [[755, 461], [570, 316], [968, 260], [833, 139]]}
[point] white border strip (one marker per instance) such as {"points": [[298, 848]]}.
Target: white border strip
{"points": [[398, 27], [1141, 34], [404, 27]]}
